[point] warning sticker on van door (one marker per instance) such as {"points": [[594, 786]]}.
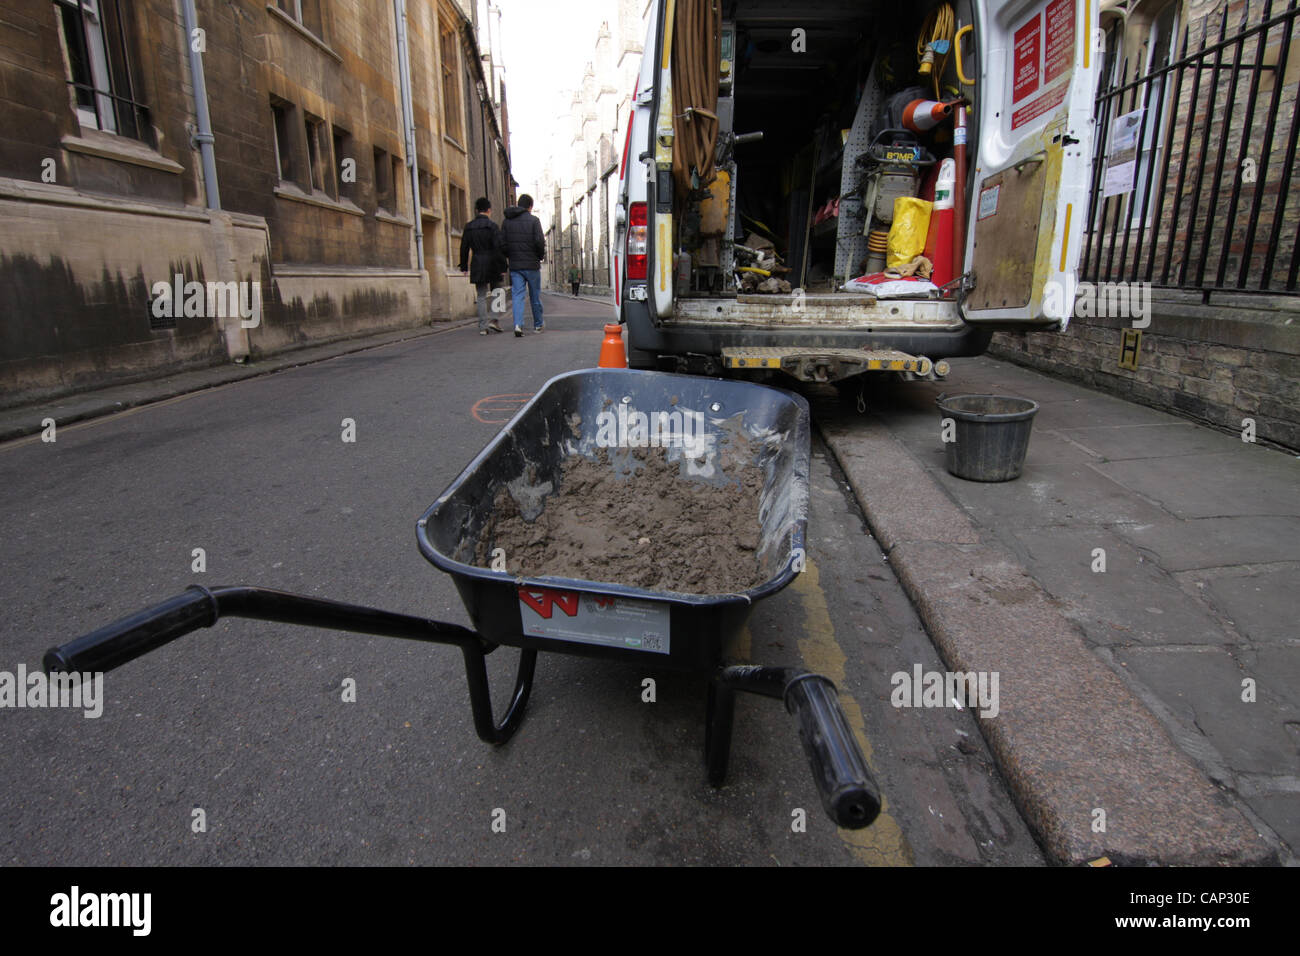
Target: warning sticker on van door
{"points": [[988, 201], [595, 619], [1042, 59]]}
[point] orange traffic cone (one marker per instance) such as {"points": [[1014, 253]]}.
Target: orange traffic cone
{"points": [[612, 354], [921, 116]]}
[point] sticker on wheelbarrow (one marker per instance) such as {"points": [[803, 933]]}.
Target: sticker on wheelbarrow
{"points": [[594, 619]]}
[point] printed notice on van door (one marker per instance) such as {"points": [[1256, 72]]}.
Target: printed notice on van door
{"points": [[1042, 58], [595, 619], [1026, 71]]}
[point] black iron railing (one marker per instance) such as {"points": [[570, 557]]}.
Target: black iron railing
{"points": [[1210, 206]]}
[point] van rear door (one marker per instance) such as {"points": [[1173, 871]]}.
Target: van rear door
{"points": [[1033, 160]]}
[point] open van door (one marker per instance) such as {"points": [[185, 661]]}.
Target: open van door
{"points": [[1032, 158]]}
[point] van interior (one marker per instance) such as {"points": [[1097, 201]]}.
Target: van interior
{"points": [[816, 141]]}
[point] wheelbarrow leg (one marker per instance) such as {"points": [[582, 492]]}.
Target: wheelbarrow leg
{"points": [[480, 696], [719, 716], [849, 794]]}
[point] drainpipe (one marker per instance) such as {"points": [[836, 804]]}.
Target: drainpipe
{"points": [[408, 121], [484, 108], [203, 138]]}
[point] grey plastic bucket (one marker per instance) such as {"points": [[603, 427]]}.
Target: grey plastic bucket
{"points": [[991, 435]]}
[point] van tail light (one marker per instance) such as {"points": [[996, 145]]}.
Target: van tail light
{"points": [[638, 235]]}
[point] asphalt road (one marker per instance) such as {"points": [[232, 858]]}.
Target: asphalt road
{"points": [[246, 721]]}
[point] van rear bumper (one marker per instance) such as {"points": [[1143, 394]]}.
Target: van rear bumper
{"points": [[702, 339]]}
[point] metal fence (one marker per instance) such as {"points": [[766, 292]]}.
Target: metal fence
{"points": [[1209, 203]]}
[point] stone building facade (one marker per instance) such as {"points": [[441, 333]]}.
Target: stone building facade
{"points": [[487, 121], [104, 197], [1207, 229], [579, 186]]}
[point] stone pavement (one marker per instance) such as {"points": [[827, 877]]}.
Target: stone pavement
{"points": [[1163, 690], [26, 419]]}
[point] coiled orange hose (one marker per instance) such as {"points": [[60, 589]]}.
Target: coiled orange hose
{"points": [[697, 31]]}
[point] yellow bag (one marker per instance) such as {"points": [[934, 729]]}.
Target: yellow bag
{"points": [[907, 234]]}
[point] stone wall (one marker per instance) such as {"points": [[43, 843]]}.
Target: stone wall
{"points": [[78, 273], [1235, 359], [92, 219]]}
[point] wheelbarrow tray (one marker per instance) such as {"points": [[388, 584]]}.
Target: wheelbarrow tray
{"points": [[768, 426]]}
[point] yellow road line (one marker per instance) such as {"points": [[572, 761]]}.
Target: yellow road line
{"points": [[742, 645], [882, 843]]}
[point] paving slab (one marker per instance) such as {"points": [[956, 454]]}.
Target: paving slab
{"points": [[1132, 600], [1121, 442], [1280, 666], [1204, 687], [1216, 542], [1263, 482], [1051, 494], [1281, 811], [1259, 602], [1094, 409]]}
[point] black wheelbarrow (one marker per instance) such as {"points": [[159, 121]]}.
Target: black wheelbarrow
{"points": [[669, 629]]}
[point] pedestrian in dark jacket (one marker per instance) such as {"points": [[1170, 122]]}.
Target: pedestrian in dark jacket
{"points": [[483, 237], [526, 248]]}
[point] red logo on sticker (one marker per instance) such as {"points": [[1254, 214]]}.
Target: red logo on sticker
{"points": [[544, 601]]}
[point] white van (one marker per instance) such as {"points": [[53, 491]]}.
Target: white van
{"points": [[803, 92]]}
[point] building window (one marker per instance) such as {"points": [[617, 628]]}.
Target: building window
{"points": [[455, 222], [282, 115], [428, 191], [398, 173], [319, 168], [384, 198], [306, 12], [345, 165], [99, 70], [1161, 50], [449, 55], [1109, 76], [456, 211]]}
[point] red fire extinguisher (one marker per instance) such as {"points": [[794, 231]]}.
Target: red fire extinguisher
{"points": [[939, 243]]}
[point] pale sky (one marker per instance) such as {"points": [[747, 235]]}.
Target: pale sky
{"points": [[545, 44]]}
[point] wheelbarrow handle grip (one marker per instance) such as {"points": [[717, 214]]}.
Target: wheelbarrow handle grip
{"points": [[130, 637], [849, 794]]}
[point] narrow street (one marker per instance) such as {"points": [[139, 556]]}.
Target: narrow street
{"points": [[247, 722]]}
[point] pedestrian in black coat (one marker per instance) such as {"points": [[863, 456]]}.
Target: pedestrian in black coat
{"points": [[483, 237], [526, 248]]}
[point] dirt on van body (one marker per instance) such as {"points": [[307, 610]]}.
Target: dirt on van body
{"points": [[653, 527]]}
